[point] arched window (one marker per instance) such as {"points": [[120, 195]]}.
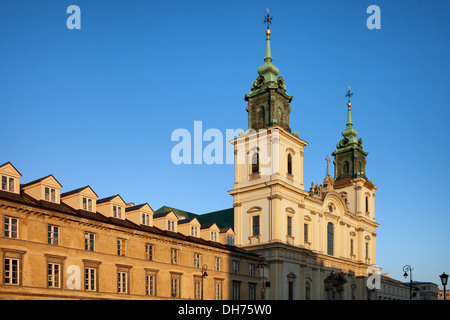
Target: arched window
{"points": [[308, 290], [346, 169], [289, 164], [255, 163], [330, 238], [261, 115], [367, 204]]}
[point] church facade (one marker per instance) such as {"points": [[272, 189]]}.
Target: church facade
{"points": [[317, 244]]}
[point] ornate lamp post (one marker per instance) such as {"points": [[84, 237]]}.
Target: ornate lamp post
{"points": [[204, 275], [407, 269], [444, 278], [262, 265]]}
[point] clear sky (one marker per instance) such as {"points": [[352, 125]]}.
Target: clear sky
{"points": [[97, 106]]}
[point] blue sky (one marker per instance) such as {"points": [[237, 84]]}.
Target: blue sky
{"points": [[97, 106]]}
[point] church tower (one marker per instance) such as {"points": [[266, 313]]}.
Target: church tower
{"points": [[268, 162], [268, 102], [350, 158], [350, 170]]}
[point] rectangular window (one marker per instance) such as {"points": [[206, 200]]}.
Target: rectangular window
{"points": [[171, 225], [196, 260], [197, 289], [50, 194], [7, 183], [11, 227], [255, 225], [122, 282], [217, 264], [251, 269], [90, 279], [290, 290], [88, 241], [351, 247], [236, 290], [367, 250], [305, 232], [218, 290], [194, 231], [53, 235], [150, 284], [174, 256], [121, 243], [230, 240], [11, 272], [213, 236], [87, 204], [149, 251], [117, 212], [251, 291], [235, 267], [175, 287], [54, 275], [289, 226]]}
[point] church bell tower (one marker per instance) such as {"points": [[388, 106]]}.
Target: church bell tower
{"points": [[350, 158], [268, 162], [268, 102]]}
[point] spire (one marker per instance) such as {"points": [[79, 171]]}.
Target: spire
{"points": [[268, 71], [268, 102], [349, 133]]}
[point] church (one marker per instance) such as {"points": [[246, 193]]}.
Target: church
{"points": [[279, 241], [316, 244]]}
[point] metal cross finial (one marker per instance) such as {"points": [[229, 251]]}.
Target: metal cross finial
{"points": [[349, 94], [267, 19]]}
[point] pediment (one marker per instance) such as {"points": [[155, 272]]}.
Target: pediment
{"points": [[9, 170]]}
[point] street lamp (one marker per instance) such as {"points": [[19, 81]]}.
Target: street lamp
{"points": [[262, 265], [407, 269], [204, 275], [444, 278]]}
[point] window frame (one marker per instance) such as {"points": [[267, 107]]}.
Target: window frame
{"points": [[53, 235], [121, 247], [9, 225], [50, 194], [88, 204], [54, 275], [256, 227], [8, 271], [89, 241], [330, 239], [117, 212], [8, 184]]}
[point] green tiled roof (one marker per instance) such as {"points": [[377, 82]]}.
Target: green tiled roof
{"points": [[222, 218]]}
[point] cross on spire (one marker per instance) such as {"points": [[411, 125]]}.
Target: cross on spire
{"points": [[268, 19], [349, 94]]}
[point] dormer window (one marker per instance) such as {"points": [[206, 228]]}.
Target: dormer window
{"points": [[87, 204], [171, 225], [7, 183], [213, 236], [50, 194], [146, 219], [117, 212], [194, 231]]}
